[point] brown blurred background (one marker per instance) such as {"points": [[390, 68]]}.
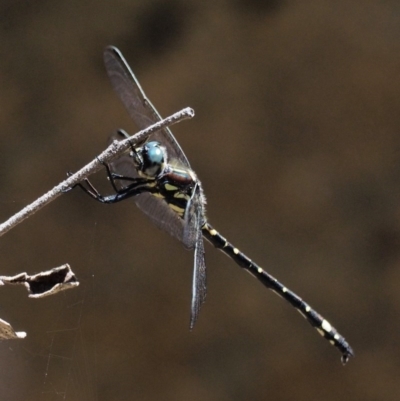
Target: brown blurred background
{"points": [[296, 140]]}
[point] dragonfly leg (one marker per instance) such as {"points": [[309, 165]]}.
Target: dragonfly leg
{"points": [[138, 186], [109, 175], [125, 135]]}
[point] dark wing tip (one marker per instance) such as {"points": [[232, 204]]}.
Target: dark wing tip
{"points": [[112, 53], [112, 49]]}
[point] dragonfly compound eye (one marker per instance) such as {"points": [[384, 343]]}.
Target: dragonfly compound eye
{"points": [[153, 156]]}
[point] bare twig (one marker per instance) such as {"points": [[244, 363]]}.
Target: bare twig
{"points": [[116, 149]]}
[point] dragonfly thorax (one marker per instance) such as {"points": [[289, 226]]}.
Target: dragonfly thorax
{"points": [[151, 159]]}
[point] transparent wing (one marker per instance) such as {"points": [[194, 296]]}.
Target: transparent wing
{"points": [[199, 286], [144, 114], [163, 217], [139, 107], [191, 221]]}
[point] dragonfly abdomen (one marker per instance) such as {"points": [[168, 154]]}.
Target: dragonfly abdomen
{"points": [[324, 328]]}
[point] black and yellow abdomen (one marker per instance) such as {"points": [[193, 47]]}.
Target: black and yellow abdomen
{"points": [[176, 188]]}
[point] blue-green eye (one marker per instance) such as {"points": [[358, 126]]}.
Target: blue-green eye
{"points": [[154, 152], [153, 156]]}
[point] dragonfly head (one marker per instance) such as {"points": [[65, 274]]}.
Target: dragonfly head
{"points": [[152, 159]]}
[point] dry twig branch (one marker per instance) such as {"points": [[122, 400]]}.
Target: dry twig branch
{"points": [[116, 149]]}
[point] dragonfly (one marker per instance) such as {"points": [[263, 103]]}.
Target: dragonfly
{"points": [[158, 176]]}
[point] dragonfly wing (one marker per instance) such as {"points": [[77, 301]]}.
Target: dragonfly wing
{"points": [[199, 286], [190, 226], [138, 105], [193, 238], [161, 214]]}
